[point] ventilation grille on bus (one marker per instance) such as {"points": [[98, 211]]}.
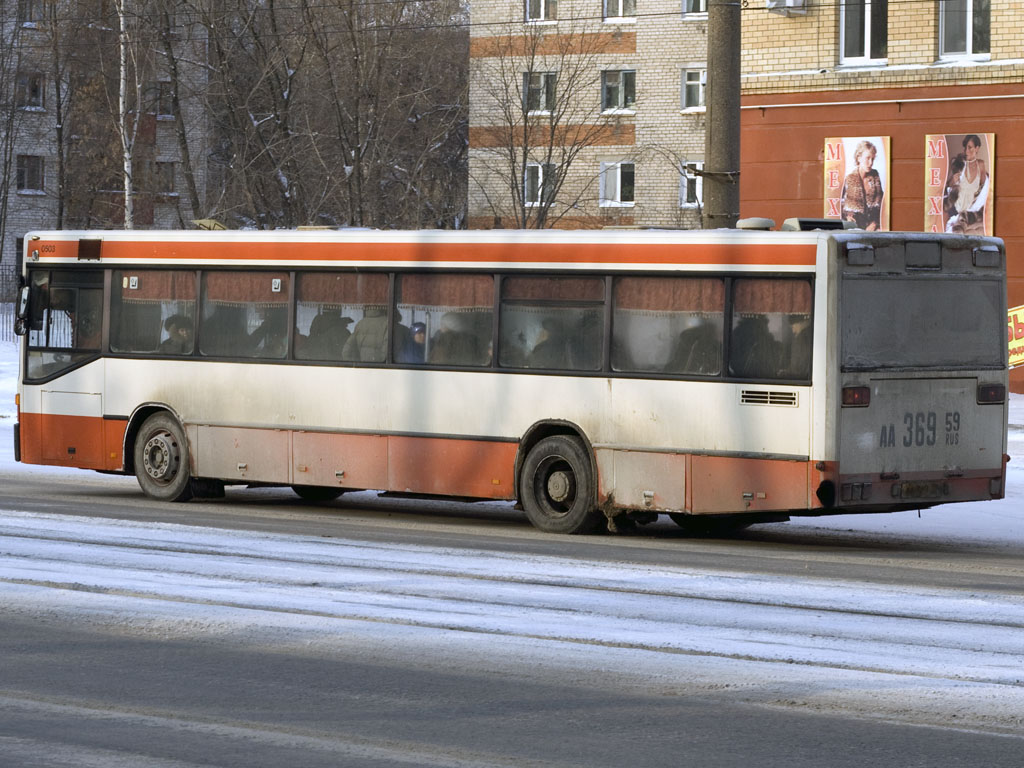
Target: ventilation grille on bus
{"points": [[765, 397]]}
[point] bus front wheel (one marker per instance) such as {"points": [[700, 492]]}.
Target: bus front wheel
{"points": [[556, 487], [161, 459]]}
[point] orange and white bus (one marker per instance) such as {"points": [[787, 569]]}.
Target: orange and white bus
{"points": [[721, 377]]}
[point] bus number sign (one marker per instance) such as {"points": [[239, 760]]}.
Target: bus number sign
{"points": [[920, 429]]}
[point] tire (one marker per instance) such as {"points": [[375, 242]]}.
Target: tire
{"points": [[721, 526], [317, 492], [556, 487], [161, 459]]}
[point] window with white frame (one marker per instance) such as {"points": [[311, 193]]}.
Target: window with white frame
{"points": [[691, 93], [30, 12], [964, 27], [541, 10], [539, 183], [864, 30], [618, 9], [617, 183], [691, 185], [28, 91], [691, 7], [30, 170], [539, 91], [618, 89], [158, 98]]}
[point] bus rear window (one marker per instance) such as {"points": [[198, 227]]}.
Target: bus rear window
{"points": [[903, 322]]}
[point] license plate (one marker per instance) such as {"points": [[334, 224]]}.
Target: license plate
{"points": [[934, 489]]}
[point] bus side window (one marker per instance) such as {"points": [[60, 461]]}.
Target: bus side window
{"points": [[768, 339], [451, 313], [331, 306], [668, 325], [244, 314], [153, 311], [553, 323]]}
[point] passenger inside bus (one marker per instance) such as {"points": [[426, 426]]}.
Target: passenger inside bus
{"points": [[454, 343], [270, 337], [754, 352], [328, 334], [549, 351], [697, 350], [369, 338], [179, 336], [797, 363]]}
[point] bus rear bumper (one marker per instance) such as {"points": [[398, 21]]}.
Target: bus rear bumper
{"points": [[17, 441], [900, 491]]}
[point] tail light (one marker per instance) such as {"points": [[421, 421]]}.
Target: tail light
{"points": [[991, 393], [856, 397]]}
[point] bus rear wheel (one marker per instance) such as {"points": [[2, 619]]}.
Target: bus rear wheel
{"points": [[161, 459], [317, 492], [556, 487]]}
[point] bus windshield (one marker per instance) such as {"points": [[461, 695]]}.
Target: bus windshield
{"points": [[921, 322]]}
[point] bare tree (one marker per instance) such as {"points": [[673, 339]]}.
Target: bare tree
{"points": [[539, 89]]}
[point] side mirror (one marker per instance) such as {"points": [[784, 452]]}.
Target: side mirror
{"points": [[20, 325]]}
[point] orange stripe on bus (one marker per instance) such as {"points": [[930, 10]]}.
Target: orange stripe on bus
{"points": [[780, 254]]}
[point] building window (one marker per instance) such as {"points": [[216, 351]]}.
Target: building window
{"points": [[539, 183], [691, 186], [864, 28], [158, 99], [617, 9], [30, 173], [618, 89], [541, 10], [692, 92], [30, 12], [694, 6], [539, 91], [964, 27], [29, 90], [617, 180]]}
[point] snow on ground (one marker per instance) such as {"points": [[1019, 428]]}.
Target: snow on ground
{"points": [[991, 521]]}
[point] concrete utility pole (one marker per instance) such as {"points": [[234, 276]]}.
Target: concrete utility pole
{"points": [[722, 129]]}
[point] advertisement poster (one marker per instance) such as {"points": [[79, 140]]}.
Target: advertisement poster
{"points": [[1015, 319], [857, 181], [959, 182]]}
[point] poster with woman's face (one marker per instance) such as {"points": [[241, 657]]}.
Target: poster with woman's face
{"points": [[959, 183], [857, 181]]}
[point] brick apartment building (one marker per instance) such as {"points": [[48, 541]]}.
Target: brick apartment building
{"points": [[813, 70], [640, 95]]}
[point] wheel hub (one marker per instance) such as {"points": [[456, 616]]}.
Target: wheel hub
{"points": [[561, 485], [161, 457]]}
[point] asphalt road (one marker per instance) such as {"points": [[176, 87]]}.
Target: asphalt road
{"points": [[91, 687]]}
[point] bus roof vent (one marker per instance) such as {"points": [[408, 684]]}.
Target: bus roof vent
{"points": [[89, 250], [756, 223], [768, 397]]}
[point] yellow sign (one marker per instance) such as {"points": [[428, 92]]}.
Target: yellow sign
{"points": [[1015, 328]]}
